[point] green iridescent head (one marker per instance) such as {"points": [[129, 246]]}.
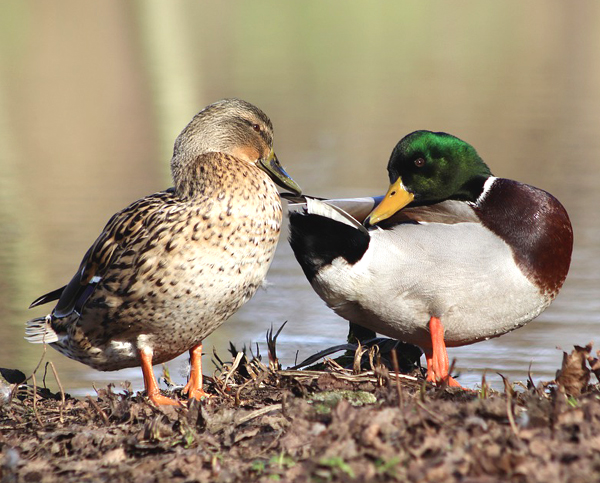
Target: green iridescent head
{"points": [[428, 167]]}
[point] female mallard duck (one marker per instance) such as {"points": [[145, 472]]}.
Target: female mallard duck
{"points": [[469, 257], [172, 267]]}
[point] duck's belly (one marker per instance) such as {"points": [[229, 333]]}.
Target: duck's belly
{"points": [[461, 273], [168, 314]]}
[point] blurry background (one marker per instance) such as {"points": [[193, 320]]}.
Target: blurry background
{"points": [[92, 96]]}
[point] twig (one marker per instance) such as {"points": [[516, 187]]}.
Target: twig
{"points": [[98, 409], [374, 351], [272, 345], [257, 356], [403, 376], [251, 372], [509, 412], [520, 384], [334, 365], [258, 413], [358, 353], [39, 363], [398, 383], [532, 385], [35, 411], [237, 399], [483, 394], [62, 392], [235, 365], [16, 387], [343, 374], [220, 390]]}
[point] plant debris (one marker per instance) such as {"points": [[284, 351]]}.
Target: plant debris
{"points": [[332, 425]]}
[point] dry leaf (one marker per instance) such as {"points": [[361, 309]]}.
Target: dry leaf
{"points": [[574, 375]]}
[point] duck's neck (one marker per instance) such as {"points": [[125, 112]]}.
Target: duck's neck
{"points": [[205, 175], [471, 191], [479, 188]]}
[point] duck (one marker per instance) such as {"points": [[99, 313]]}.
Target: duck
{"points": [[170, 268], [451, 255]]}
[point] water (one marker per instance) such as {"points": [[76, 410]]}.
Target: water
{"points": [[92, 97]]}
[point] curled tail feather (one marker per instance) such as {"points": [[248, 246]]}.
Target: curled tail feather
{"points": [[39, 331]]}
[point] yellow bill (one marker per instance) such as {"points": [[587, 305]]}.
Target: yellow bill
{"points": [[395, 199]]}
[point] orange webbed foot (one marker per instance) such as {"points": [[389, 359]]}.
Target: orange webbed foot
{"points": [[150, 383], [195, 393], [160, 400], [193, 388], [450, 381]]}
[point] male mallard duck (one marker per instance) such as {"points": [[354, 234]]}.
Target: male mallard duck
{"points": [[469, 257], [172, 267]]}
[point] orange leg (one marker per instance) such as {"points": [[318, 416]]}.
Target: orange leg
{"points": [[150, 383], [438, 364], [429, 359], [194, 386]]}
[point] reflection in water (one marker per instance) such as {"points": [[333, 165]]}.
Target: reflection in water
{"points": [[89, 110]]}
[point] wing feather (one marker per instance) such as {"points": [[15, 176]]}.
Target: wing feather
{"points": [[126, 229]]}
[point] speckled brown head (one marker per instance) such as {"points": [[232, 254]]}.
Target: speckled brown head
{"points": [[232, 127]]}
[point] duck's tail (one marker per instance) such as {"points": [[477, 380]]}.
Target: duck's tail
{"points": [[323, 232], [39, 331]]}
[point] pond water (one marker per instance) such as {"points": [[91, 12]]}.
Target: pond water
{"points": [[92, 97]]}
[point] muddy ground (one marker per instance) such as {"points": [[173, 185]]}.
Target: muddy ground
{"points": [[328, 425]]}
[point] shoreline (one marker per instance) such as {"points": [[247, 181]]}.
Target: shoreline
{"points": [[266, 424]]}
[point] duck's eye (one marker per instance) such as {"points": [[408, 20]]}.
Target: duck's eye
{"points": [[419, 162], [256, 127]]}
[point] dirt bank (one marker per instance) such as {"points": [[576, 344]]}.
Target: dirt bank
{"points": [[330, 425]]}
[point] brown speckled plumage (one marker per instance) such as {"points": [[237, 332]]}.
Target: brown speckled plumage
{"points": [[172, 267]]}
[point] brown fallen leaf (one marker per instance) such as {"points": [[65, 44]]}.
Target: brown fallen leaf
{"points": [[574, 375]]}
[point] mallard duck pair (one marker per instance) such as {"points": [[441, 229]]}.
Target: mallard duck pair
{"points": [[451, 255], [468, 257]]}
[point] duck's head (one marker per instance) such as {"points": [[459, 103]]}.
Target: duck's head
{"points": [[236, 128], [429, 167]]}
